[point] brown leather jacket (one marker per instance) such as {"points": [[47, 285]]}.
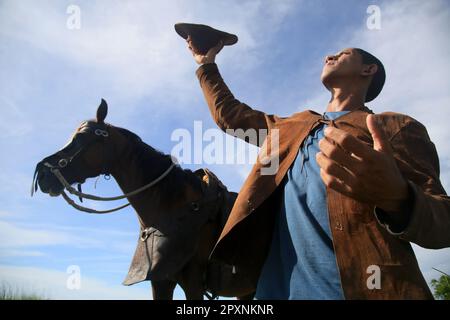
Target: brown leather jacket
{"points": [[361, 234]]}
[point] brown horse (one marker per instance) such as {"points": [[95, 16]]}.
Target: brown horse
{"points": [[181, 213]]}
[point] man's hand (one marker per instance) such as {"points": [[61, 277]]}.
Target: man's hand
{"points": [[363, 173], [210, 56]]}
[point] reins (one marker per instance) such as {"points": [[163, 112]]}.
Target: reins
{"points": [[73, 191]]}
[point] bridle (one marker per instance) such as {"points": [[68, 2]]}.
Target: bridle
{"points": [[101, 132]]}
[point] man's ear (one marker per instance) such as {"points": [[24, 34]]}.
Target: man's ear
{"points": [[102, 111], [369, 69]]}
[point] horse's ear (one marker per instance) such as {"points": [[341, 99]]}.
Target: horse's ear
{"points": [[102, 111]]}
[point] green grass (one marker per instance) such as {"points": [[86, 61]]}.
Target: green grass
{"points": [[9, 291]]}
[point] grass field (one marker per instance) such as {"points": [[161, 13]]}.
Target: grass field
{"points": [[9, 291]]}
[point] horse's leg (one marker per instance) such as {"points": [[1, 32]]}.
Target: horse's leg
{"points": [[191, 281], [163, 289], [249, 296], [193, 291]]}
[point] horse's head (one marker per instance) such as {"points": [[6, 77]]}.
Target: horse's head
{"points": [[88, 154]]}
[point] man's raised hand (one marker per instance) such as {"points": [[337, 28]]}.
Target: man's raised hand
{"points": [[209, 57], [364, 173]]}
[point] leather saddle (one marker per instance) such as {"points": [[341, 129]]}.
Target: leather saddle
{"points": [[161, 254]]}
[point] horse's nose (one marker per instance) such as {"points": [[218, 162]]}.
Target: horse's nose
{"points": [[46, 180], [42, 179]]}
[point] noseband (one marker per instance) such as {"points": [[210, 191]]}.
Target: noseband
{"points": [[101, 133]]}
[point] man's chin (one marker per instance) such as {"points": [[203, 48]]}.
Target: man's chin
{"points": [[325, 81]]}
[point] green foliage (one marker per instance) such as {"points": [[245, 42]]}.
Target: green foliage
{"points": [[441, 287]]}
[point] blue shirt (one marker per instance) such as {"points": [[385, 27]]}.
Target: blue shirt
{"points": [[301, 263]]}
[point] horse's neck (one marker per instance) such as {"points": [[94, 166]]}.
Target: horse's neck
{"points": [[135, 170]]}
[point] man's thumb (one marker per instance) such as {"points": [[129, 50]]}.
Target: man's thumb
{"points": [[380, 141]]}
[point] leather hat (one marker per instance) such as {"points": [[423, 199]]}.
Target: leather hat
{"points": [[203, 37]]}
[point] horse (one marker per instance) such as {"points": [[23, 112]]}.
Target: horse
{"points": [[181, 213]]}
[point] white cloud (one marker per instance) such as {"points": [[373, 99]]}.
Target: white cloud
{"points": [[52, 284], [15, 235], [11, 253], [11, 113], [128, 53], [136, 46], [15, 184], [5, 214]]}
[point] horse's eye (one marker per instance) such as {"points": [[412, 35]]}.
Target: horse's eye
{"points": [[83, 135], [78, 139]]}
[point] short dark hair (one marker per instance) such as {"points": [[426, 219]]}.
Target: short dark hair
{"points": [[379, 77]]}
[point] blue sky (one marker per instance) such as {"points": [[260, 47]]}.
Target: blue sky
{"points": [[128, 53]]}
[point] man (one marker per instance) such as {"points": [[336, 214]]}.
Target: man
{"points": [[352, 190]]}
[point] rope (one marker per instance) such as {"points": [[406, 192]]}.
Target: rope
{"points": [[69, 188], [73, 191], [89, 210]]}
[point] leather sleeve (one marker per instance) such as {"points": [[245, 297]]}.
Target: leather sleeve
{"points": [[416, 155], [229, 113]]}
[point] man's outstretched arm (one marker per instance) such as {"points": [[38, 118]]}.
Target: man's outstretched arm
{"points": [[226, 110]]}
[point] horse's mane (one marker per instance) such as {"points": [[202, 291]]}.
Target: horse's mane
{"points": [[153, 163]]}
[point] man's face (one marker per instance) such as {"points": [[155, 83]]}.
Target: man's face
{"points": [[345, 64]]}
